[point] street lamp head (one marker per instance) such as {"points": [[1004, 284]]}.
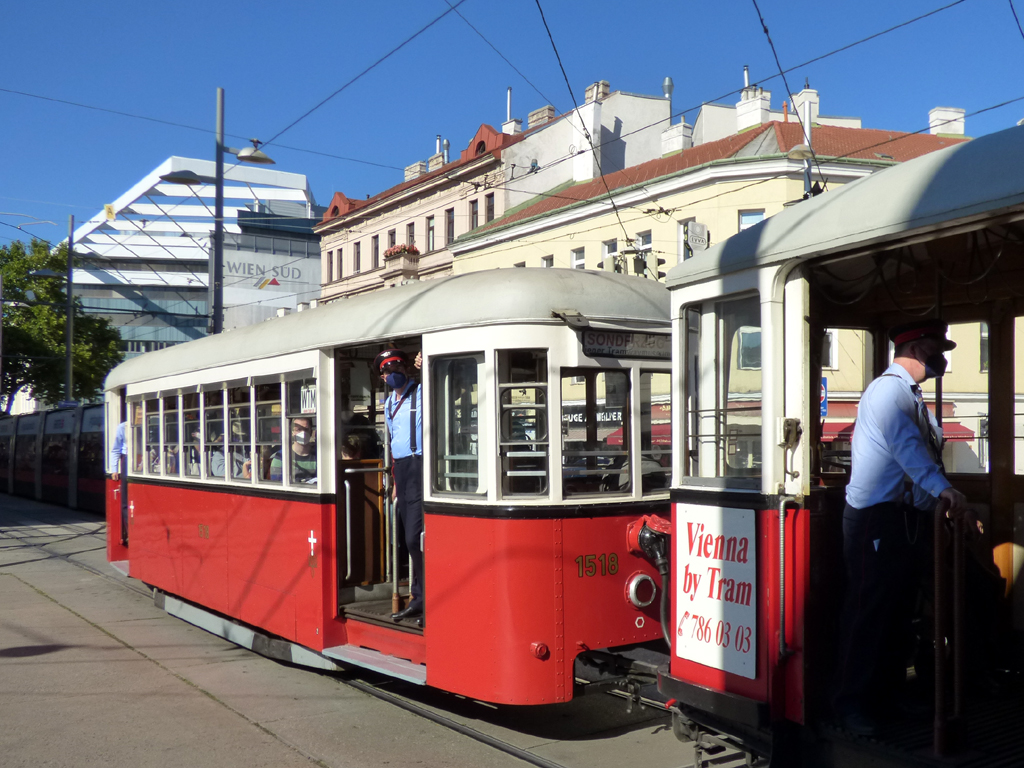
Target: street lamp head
{"points": [[254, 155], [800, 152], [46, 273], [187, 178]]}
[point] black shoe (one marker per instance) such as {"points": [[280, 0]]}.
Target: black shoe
{"points": [[411, 611], [859, 724]]}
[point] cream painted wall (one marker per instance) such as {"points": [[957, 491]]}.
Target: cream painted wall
{"points": [[717, 206]]}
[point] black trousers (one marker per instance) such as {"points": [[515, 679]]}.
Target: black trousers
{"points": [[408, 473], [881, 585]]}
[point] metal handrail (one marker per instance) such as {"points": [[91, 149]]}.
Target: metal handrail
{"points": [[948, 730], [348, 512]]}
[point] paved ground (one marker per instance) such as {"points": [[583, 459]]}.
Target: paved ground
{"points": [[93, 674]]}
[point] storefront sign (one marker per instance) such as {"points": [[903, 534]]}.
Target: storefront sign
{"points": [[716, 587]]}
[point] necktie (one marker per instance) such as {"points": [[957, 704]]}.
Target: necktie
{"points": [[925, 425]]}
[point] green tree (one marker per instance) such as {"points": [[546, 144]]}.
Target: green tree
{"points": [[34, 310]]}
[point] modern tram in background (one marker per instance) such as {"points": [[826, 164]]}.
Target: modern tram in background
{"points": [[545, 420], [56, 456], [776, 332]]}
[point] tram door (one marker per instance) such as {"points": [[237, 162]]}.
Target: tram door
{"points": [[359, 448]]}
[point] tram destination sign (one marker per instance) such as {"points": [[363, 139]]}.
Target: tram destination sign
{"points": [[716, 588], [651, 346]]}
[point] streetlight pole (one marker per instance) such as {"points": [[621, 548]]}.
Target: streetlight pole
{"points": [[69, 329], [188, 178], [218, 222]]}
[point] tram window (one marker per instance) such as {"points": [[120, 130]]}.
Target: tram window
{"points": [[138, 446], [301, 415], [964, 403], [655, 431], [172, 437], [213, 419], [152, 450], [1018, 399], [724, 379], [190, 434], [240, 433], [523, 437], [455, 424], [595, 432], [847, 363], [268, 432]]}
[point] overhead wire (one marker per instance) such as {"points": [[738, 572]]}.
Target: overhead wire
{"points": [[1016, 19]]}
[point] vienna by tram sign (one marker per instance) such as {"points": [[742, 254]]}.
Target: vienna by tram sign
{"points": [[716, 588], [652, 346]]}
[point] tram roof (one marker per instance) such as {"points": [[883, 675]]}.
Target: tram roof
{"points": [[976, 179], [478, 298]]}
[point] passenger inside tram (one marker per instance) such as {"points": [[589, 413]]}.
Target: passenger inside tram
{"points": [[302, 453]]}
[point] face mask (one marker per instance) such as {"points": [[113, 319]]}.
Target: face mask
{"points": [[301, 437], [396, 379], [935, 365]]}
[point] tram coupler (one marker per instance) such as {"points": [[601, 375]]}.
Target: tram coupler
{"points": [[649, 536]]}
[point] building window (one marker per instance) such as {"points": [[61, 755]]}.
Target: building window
{"points": [[375, 251], [489, 207], [339, 264], [449, 226], [474, 214], [329, 263], [641, 261], [750, 218], [609, 256], [410, 233], [392, 238], [547, 261], [577, 258], [357, 257], [430, 233], [984, 348], [829, 349]]}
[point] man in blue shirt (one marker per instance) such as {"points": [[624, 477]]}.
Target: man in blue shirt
{"points": [[894, 438], [118, 462], [403, 413]]}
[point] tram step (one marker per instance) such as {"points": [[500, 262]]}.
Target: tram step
{"points": [[379, 662]]}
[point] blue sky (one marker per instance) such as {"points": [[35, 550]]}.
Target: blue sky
{"points": [[276, 60]]}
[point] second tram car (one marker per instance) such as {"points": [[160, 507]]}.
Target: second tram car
{"points": [[776, 332], [545, 437]]}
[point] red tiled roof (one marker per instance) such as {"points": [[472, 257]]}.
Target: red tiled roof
{"points": [[862, 143], [828, 141], [493, 140]]}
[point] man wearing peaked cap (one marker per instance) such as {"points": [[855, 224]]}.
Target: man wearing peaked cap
{"points": [[403, 413], [895, 437]]}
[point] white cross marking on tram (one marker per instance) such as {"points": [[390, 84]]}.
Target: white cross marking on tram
{"points": [[312, 541]]}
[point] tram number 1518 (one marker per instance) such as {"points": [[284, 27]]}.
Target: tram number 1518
{"points": [[721, 633], [587, 564]]}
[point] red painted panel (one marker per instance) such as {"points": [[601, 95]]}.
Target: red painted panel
{"points": [[245, 556], [115, 550], [496, 589]]}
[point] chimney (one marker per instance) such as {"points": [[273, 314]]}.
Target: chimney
{"points": [[512, 127], [540, 116], [597, 91], [676, 138], [415, 170], [754, 108], [282, 311], [435, 161], [586, 120], [946, 120], [806, 95], [445, 147]]}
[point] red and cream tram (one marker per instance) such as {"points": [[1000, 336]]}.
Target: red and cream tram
{"points": [[545, 413], [764, 325]]}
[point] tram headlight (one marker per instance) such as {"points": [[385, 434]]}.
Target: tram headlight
{"points": [[641, 590]]}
